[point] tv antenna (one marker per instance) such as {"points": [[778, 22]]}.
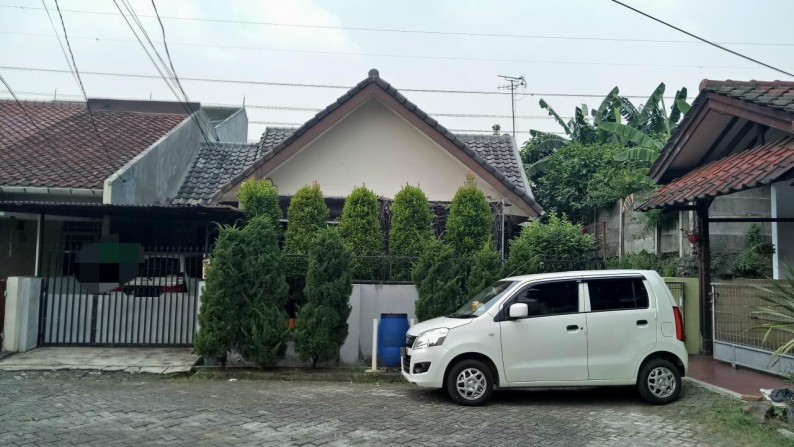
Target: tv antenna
{"points": [[513, 83]]}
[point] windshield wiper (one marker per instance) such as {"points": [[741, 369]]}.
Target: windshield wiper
{"points": [[461, 316]]}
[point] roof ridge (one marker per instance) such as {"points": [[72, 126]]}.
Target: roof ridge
{"points": [[705, 83]]}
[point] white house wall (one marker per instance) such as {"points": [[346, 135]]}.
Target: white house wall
{"points": [[373, 146]]}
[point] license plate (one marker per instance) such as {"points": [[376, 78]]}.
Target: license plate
{"points": [[402, 351]]}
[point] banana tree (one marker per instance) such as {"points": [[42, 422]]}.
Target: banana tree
{"points": [[581, 129]]}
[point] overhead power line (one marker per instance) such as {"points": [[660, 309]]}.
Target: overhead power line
{"points": [[311, 109], [403, 56], [325, 86], [289, 124], [714, 44], [82, 89], [415, 31]]}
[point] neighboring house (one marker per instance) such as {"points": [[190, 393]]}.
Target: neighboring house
{"points": [[737, 141], [61, 183], [370, 136]]}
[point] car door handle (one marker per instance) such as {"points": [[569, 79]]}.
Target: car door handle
{"points": [[642, 322], [572, 327]]}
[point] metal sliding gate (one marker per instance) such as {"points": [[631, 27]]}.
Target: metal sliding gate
{"points": [[158, 308]]}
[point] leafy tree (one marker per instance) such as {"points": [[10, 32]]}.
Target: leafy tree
{"points": [[755, 260], [411, 228], [470, 221], [485, 269], [360, 231], [549, 246], [580, 179], [260, 197], [436, 277], [218, 333], [261, 314], [307, 215], [322, 322]]}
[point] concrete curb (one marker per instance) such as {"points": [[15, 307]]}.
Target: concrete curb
{"points": [[715, 388]]}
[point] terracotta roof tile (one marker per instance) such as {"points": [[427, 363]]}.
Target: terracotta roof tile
{"points": [[64, 151], [749, 169]]}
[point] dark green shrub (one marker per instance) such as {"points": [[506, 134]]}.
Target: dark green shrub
{"points": [[755, 260], [258, 198], [470, 221], [556, 245], [307, 215], [322, 322], [436, 276], [261, 312], [411, 229], [360, 231], [218, 328], [486, 268]]}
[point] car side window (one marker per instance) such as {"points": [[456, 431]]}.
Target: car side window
{"points": [[617, 294], [551, 298]]}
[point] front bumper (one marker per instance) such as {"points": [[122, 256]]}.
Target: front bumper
{"points": [[435, 356]]}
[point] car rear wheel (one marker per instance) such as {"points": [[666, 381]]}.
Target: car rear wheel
{"points": [[470, 382], [659, 382]]}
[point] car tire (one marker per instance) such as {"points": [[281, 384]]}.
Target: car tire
{"points": [[470, 382], [659, 382]]}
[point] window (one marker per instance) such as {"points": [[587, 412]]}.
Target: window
{"points": [[552, 298], [617, 294]]}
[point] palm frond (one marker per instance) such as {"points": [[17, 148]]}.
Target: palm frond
{"points": [[676, 112]]}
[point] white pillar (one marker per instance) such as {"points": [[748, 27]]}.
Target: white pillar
{"points": [[374, 345]]}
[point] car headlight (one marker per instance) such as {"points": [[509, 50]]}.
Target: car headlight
{"points": [[433, 337]]}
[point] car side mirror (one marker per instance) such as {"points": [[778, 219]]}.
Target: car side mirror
{"points": [[518, 310]]}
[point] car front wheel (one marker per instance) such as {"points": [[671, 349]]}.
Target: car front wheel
{"points": [[659, 382], [470, 382]]}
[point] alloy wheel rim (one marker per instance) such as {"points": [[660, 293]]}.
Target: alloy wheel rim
{"points": [[661, 382], [471, 384]]}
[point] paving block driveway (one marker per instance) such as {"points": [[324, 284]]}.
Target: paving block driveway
{"points": [[80, 408]]}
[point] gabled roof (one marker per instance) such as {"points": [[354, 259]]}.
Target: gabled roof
{"points": [[767, 103], [777, 95], [216, 165], [62, 149], [749, 169], [511, 183]]}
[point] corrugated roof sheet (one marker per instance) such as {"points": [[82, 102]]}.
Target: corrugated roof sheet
{"points": [[62, 149], [749, 169]]}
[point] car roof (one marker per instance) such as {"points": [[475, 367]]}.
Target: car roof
{"points": [[580, 273]]}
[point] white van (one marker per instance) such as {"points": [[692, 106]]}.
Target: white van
{"points": [[590, 328]]}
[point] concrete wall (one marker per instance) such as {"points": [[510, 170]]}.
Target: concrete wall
{"points": [[783, 232], [21, 324], [727, 239], [368, 302], [155, 175], [234, 129], [373, 146]]}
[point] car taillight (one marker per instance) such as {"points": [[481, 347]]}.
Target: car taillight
{"points": [[118, 289], [179, 288], [679, 324]]}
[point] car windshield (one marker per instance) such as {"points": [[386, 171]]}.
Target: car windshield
{"points": [[483, 300]]}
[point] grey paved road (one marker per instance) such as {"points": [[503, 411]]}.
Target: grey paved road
{"points": [[64, 408]]}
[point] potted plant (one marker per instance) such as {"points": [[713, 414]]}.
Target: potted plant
{"points": [[693, 236]]}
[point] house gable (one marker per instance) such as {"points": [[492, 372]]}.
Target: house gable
{"points": [[374, 146], [375, 88]]}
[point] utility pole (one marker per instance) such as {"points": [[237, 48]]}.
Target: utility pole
{"points": [[513, 84]]}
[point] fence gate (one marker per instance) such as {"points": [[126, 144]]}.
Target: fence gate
{"points": [[158, 308]]}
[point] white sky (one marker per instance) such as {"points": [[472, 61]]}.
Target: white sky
{"points": [[549, 65]]}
